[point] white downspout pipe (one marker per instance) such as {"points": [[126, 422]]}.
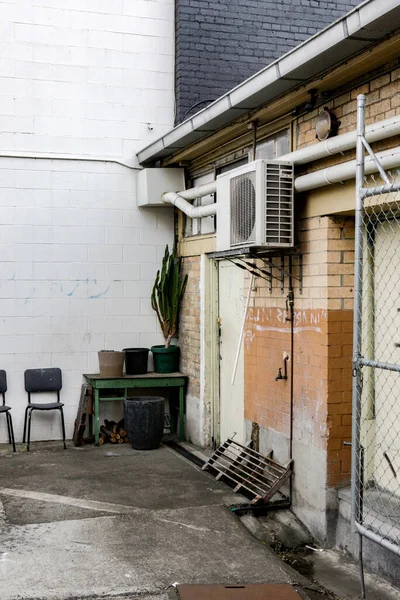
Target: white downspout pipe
{"points": [[388, 159], [346, 141], [180, 200], [246, 309]]}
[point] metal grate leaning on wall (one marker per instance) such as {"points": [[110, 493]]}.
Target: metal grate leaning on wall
{"points": [[376, 361]]}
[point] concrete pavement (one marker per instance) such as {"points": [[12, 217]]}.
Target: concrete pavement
{"points": [[110, 521]]}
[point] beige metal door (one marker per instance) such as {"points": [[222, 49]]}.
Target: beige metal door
{"points": [[387, 336], [231, 307]]}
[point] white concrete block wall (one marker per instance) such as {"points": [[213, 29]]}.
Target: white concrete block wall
{"points": [[90, 78]]}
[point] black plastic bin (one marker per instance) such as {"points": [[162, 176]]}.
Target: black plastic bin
{"points": [[136, 360], [144, 421]]}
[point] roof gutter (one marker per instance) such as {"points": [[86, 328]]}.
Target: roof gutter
{"points": [[360, 28]]}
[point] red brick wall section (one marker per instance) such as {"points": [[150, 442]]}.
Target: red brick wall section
{"points": [[322, 347], [267, 401], [340, 338]]}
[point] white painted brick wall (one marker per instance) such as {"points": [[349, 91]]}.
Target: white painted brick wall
{"points": [[79, 77]]}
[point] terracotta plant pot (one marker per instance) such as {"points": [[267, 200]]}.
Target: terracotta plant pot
{"points": [[111, 363]]}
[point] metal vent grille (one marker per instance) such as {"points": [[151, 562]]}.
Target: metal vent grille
{"points": [[243, 208], [279, 205]]}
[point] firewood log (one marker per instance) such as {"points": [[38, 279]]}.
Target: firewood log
{"points": [[107, 432], [111, 425]]}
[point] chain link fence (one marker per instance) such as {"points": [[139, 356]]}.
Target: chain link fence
{"points": [[378, 503], [376, 389]]}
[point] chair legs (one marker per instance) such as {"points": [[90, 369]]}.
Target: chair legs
{"points": [[10, 430], [25, 421], [27, 426], [29, 430], [63, 427]]}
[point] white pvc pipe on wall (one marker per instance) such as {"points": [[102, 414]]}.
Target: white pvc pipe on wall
{"points": [[388, 159], [199, 191], [346, 141], [378, 131], [180, 200]]}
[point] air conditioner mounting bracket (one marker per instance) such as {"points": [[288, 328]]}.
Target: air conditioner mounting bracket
{"points": [[274, 264]]}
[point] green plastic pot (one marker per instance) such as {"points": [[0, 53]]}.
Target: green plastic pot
{"points": [[166, 360]]}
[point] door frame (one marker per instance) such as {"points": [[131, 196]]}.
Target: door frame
{"points": [[209, 342], [218, 342]]}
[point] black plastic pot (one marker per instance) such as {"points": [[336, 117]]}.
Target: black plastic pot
{"points": [[144, 421], [136, 360], [166, 360]]}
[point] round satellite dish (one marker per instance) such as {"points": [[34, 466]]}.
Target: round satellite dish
{"points": [[326, 125]]}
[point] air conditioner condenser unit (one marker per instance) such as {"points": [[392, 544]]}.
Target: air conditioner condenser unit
{"points": [[255, 206]]}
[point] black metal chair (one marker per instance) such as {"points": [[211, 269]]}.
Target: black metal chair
{"points": [[39, 381], [6, 409]]}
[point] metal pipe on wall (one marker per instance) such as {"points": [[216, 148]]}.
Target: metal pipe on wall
{"points": [[356, 472], [378, 539]]}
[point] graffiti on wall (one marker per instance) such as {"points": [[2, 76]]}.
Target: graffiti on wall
{"points": [[275, 319]]}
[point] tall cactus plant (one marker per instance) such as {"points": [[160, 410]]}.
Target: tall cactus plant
{"points": [[167, 294]]}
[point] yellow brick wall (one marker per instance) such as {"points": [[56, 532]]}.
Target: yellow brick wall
{"points": [[323, 311], [189, 328], [382, 102]]}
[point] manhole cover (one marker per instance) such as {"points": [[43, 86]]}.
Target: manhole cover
{"points": [[238, 592]]}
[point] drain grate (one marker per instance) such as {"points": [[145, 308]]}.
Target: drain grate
{"points": [[258, 475]]}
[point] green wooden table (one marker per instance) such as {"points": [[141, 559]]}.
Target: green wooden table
{"points": [[127, 382]]}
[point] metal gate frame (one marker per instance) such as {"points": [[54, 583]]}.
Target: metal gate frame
{"points": [[359, 361]]}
